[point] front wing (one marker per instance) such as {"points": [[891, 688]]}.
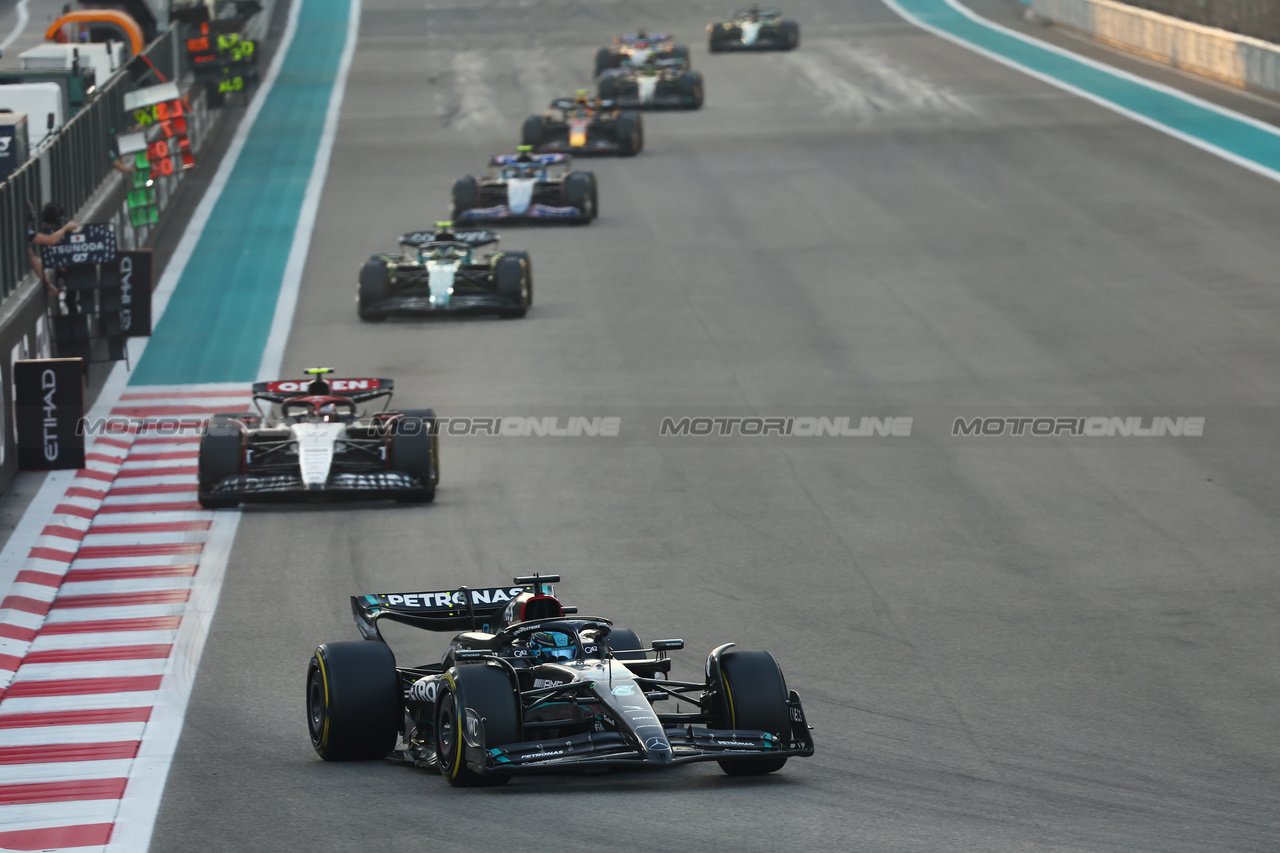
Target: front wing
{"points": [[344, 485], [535, 212], [671, 99], [612, 750], [770, 39]]}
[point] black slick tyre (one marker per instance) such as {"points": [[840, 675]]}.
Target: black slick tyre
{"points": [[513, 278], [691, 88], [375, 287], [221, 456], [486, 690], [466, 195], [630, 134], [605, 59], [415, 450], [580, 192], [354, 708], [532, 131], [754, 696], [607, 89], [790, 32]]}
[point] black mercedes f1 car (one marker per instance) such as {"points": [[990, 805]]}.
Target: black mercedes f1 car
{"points": [[438, 272], [527, 686], [312, 441], [754, 29], [583, 127], [651, 88]]}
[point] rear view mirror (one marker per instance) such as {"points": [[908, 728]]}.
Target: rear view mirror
{"points": [[667, 645]]}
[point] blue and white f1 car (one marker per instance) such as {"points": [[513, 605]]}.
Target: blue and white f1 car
{"points": [[527, 187]]}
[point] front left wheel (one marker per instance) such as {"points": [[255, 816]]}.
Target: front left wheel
{"points": [[488, 694], [221, 456], [513, 278], [753, 696], [354, 707]]}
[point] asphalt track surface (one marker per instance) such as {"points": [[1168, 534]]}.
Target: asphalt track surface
{"points": [[1007, 646]]}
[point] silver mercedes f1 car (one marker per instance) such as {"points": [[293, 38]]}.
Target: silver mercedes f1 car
{"points": [[527, 686]]}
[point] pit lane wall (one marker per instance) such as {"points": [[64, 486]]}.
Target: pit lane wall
{"points": [[1239, 60]]}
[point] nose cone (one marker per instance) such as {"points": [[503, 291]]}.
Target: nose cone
{"points": [[658, 750]]}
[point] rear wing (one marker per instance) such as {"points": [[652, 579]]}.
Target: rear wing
{"points": [[475, 239], [514, 159], [358, 390], [461, 609], [567, 104]]}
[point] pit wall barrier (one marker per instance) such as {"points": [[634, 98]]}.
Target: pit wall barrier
{"points": [[1242, 61]]}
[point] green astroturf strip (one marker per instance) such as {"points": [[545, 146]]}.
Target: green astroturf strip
{"points": [[220, 313]]}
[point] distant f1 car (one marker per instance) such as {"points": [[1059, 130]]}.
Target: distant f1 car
{"points": [[754, 29], [529, 687], [585, 128], [525, 187], [313, 441], [651, 88], [437, 272], [641, 48]]}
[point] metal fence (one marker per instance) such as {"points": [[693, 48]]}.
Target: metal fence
{"points": [[74, 164]]}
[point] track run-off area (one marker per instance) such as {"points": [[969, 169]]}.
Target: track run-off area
{"points": [[1009, 643]]}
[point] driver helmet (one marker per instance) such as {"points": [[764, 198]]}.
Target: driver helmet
{"points": [[582, 98], [753, 13], [328, 411], [528, 172], [444, 232], [552, 646]]}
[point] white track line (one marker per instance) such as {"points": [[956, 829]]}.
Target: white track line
{"points": [[23, 17]]}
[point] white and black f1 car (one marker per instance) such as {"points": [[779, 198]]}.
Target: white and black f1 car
{"points": [[651, 88], [438, 272], [641, 48], [754, 29], [527, 187], [584, 128], [313, 441], [527, 686]]}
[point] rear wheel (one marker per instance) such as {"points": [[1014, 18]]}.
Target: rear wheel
{"points": [[630, 133], [354, 707], [790, 31], [487, 691], [605, 59], [221, 456], [415, 450], [513, 276], [716, 38], [680, 53], [607, 88], [532, 131], [580, 192], [375, 287], [754, 697], [691, 88], [466, 195]]}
